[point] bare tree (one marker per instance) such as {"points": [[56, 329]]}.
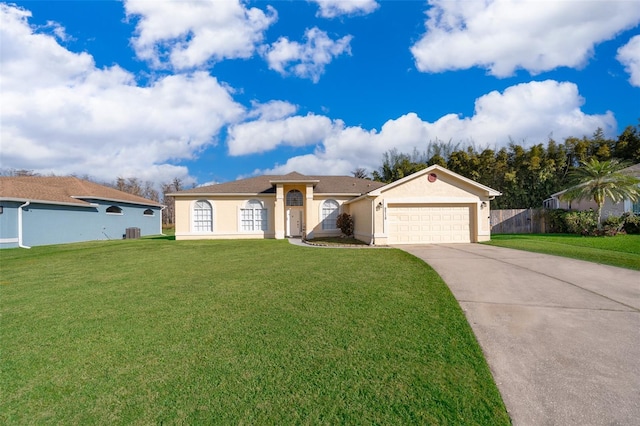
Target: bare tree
{"points": [[168, 216], [360, 173], [18, 172], [150, 192]]}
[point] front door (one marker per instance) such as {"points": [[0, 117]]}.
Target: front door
{"points": [[294, 222]]}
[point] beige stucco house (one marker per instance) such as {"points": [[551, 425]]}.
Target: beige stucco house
{"points": [[433, 205]]}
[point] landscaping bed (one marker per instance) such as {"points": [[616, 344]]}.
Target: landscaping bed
{"points": [[336, 242]]}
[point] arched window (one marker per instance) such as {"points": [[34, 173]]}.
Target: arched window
{"points": [[329, 214], [114, 210], [202, 216], [148, 212], [253, 216], [294, 198]]}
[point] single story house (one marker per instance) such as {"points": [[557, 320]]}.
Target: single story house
{"points": [[36, 211], [609, 208], [433, 205]]}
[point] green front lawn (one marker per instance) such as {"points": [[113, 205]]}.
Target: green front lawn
{"points": [[155, 331], [621, 250]]}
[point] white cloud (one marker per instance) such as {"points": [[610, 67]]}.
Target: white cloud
{"points": [[76, 118], [264, 135], [272, 110], [306, 60], [192, 33], [333, 8], [526, 113], [505, 35], [629, 56], [310, 164]]}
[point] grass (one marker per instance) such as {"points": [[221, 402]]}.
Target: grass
{"points": [[155, 331], [621, 250]]}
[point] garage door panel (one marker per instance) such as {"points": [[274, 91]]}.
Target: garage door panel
{"points": [[428, 224]]}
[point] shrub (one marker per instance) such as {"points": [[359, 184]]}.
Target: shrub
{"points": [[628, 223], [556, 221], [631, 223], [586, 223], [613, 225], [345, 223], [582, 222]]}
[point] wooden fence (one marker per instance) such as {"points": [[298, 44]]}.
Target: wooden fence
{"points": [[518, 221]]}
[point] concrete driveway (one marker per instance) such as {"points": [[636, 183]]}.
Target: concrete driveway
{"points": [[562, 336]]}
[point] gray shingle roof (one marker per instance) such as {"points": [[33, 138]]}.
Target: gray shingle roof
{"points": [[63, 189], [263, 185], [632, 170]]}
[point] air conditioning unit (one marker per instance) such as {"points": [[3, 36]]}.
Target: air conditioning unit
{"points": [[132, 233]]}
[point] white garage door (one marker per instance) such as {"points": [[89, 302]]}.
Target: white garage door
{"points": [[428, 224]]}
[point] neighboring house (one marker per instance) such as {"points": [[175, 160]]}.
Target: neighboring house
{"points": [[37, 210], [433, 205], [608, 209]]}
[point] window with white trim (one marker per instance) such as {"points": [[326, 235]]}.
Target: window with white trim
{"points": [[202, 216], [148, 212], [253, 217], [114, 210], [329, 214], [294, 198]]}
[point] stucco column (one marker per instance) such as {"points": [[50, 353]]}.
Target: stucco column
{"points": [[278, 213], [308, 211]]}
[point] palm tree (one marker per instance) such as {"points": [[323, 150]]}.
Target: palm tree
{"points": [[598, 180]]}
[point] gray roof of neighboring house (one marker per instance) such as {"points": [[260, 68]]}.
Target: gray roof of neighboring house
{"points": [[633, 170], [63, 190], [266, 185]]}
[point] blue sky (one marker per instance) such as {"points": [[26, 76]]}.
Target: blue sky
{"points": [[210, 91]]}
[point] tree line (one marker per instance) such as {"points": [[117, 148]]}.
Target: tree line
{"points": [[525, 176], [147, 189]]}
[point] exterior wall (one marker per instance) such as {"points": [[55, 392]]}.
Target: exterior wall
{"points": [[314, 215], [612, 209], [226, 218], [576, 205], [446, 190], [483, 219], [182, 210], [363, 222], [132, 216], [226, 215], [9, 224], [44, 224], [608, 209]]}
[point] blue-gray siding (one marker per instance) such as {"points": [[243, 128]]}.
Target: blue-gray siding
{"points": [[9, 224], [44, 224]]}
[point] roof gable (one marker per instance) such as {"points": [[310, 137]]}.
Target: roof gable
{"points": [[433, 169], [65, 190]]}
